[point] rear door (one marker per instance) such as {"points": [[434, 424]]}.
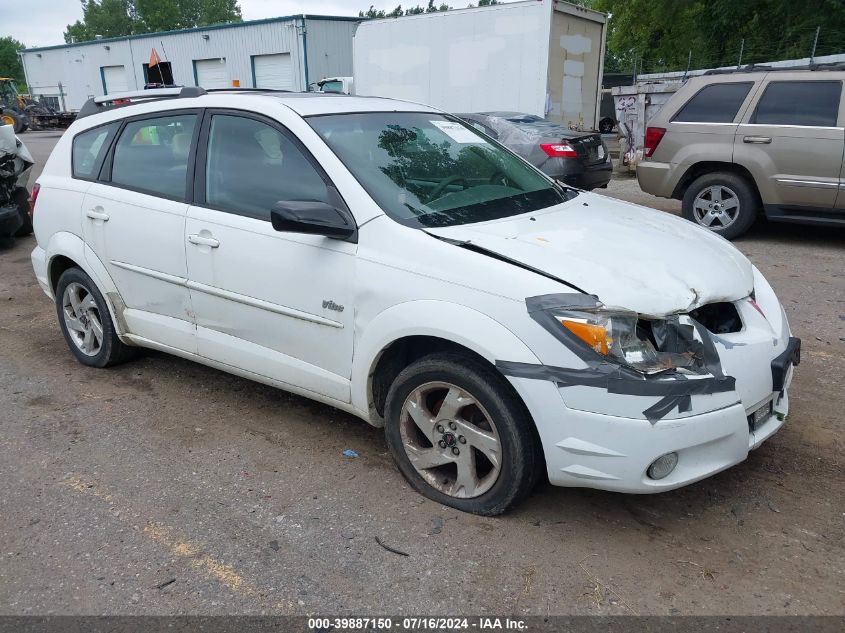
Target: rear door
{"points": [[134, 223], [708, 119], [792, 142]]}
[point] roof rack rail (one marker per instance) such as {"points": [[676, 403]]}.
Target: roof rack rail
{"points": [[233, 89], [107, 102], [759, 68]]}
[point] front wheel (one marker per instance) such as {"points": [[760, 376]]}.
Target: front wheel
{"points": [[722, 202], [460, 435]]}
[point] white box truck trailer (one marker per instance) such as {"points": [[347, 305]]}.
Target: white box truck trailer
{"points": [[541, 57]]}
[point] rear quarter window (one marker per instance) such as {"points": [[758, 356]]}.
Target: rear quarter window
{"points": [[716, 103], [88, 150], [807, 103]]}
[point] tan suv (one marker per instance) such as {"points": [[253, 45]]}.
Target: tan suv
{"points": [[734, 145]]}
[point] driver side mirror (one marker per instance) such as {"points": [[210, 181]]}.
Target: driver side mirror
{"points": [[313, 218]]}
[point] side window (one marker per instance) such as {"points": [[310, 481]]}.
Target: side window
{"points": [[152, 155], [813, 103], [716, 103], [88, 148], [251, 166]]}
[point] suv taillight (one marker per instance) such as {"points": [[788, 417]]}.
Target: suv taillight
{"points": [[559, 150], [32, 198], [653, 136]]}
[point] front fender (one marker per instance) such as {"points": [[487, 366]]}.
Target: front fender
{"points": [[453, 322]]}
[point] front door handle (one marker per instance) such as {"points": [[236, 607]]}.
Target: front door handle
{"points": [[199, 240], [757, 139], [97, 213]]}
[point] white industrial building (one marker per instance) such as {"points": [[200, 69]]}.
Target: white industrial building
{"points": [[286, 53]]}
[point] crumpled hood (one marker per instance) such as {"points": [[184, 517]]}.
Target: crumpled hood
{"points": [[629, 256]]}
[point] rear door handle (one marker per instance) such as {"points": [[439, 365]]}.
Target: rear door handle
{"points": [[199, 240], [757, 139], [97, 213]]}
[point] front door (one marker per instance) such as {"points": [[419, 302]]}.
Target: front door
{"points": [[275, 304], [792, 143], [134, 221]]}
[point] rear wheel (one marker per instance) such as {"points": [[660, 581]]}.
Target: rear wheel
{"points": [[459, 434], [86, 323], [722, 202]]}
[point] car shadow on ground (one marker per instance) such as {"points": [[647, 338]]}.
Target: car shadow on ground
{"points": [[796, 234]]}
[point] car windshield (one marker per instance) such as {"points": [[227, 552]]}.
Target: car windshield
{"points": [[425, 169]]}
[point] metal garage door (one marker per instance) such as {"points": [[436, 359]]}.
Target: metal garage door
{"points": [[211, 73], [114, 79], [273, 71]]}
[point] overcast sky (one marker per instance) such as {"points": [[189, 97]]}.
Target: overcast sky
{"points": [[42, 22]]}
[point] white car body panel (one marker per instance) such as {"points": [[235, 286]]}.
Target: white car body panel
{"points": [[264, 304], [620, 252]]}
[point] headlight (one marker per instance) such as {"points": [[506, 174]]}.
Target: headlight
{"points": [[627, 339]]}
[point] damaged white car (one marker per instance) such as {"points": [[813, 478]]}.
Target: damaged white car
{"points": [[15, 165], [385, 258]]}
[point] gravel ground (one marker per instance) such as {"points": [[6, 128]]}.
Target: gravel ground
{"points": [[162, 487]]}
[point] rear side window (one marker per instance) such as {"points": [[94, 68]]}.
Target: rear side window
{"points": [[813, 103], [716, 103], [88, 150], [152, 155]]}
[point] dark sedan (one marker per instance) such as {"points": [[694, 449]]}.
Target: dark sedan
{"points": [[576, 158]]}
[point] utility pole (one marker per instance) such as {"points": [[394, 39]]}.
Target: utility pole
{"points": [[741, 51], [689, 63], [815, 42]]}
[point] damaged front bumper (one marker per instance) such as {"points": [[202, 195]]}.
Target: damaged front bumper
{"points": [[611, 452], [603, 425]]}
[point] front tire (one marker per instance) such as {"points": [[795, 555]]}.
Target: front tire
{"points": [[722, 202], [460, 435], [86, 323]]}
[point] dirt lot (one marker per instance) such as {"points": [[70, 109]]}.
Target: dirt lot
{"points": [[116, 482]]}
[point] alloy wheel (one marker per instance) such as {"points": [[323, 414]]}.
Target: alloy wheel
{"points": [[82, 319], [716, 207], [450, 440]]}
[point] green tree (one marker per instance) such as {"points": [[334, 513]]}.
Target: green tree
{"points": [[10, 63], [114, 18], [659, 35], [371, 13], [109, 18]]}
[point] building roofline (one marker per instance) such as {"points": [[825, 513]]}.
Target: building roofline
{"points": [[195, 29]]}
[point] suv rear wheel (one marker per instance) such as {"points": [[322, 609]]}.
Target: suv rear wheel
{"points": [[722, 202], [460, 435], [86, 323]]}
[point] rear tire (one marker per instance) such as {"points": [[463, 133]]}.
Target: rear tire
{"points": [[722, 202], [86, 323], [485, 419]]}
